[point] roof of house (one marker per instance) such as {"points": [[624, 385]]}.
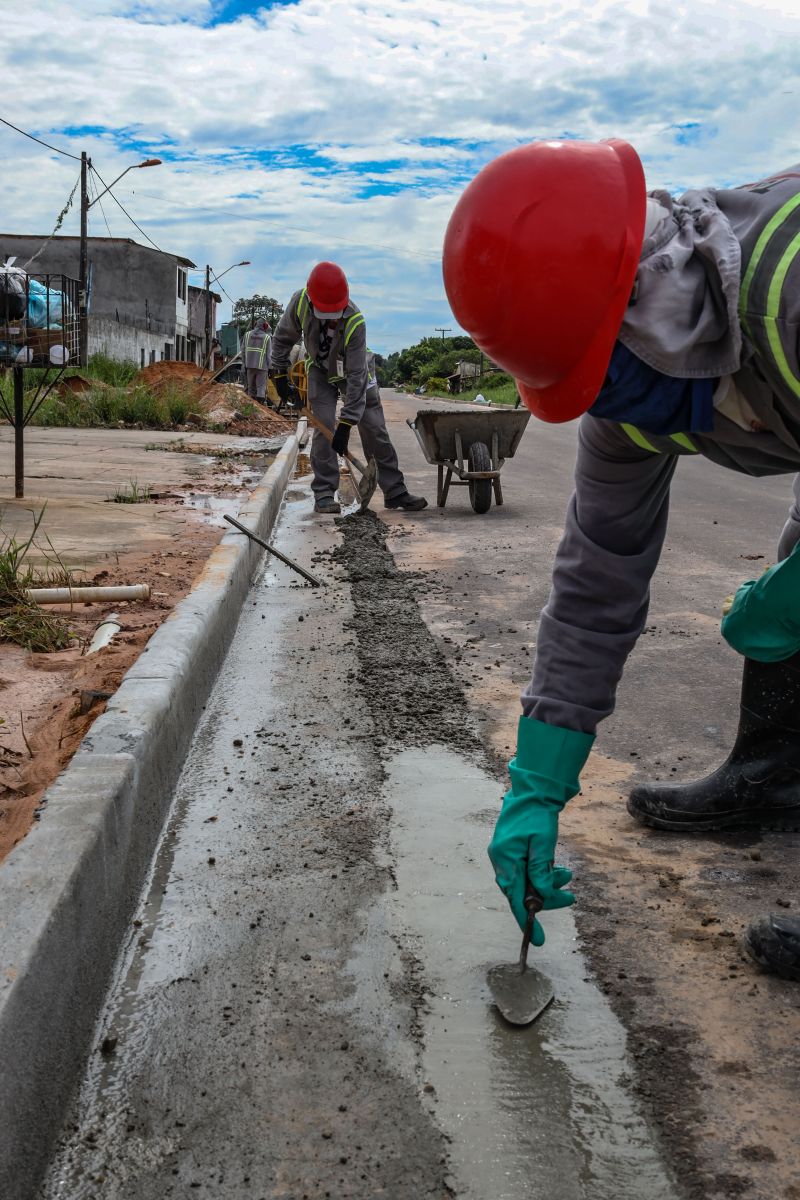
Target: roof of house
{"points": [[185, 262]]}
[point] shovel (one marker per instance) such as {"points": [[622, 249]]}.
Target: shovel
{"points": [[365, 487], [520, 992]]}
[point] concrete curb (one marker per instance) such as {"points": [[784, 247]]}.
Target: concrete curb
{"points": [[69, 890]]}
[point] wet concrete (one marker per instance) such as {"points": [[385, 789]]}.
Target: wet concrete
{"points": [[302, 1009], [546, 1110], [714, 1043]]}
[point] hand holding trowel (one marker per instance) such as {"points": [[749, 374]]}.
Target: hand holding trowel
{"points": [[544, 776], [520, 992]]}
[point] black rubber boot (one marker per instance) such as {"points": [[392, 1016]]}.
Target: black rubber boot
{"points": [[406, 501], [774, 943], [758, 785]]}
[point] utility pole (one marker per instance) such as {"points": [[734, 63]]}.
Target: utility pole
{"points": [[208, 315], [442, 331], [83, 269]]}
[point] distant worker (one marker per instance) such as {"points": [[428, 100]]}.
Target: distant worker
{"points": [[256, 359], [670, 327], [338, 364]]}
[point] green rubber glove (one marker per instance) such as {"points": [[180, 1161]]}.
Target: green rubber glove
{"points": [[544, 776], [764, 620]]}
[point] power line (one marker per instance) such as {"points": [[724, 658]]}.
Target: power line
{"points": [[219, 285], [127, 214], [66, 153], [97, 200]]}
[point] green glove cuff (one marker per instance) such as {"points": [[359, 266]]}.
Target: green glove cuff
{"points": [[764, 620], [551, 758]]}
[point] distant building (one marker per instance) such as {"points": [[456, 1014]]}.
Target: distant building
{"points": [[141, 306], [230, 341], [465, 375]]}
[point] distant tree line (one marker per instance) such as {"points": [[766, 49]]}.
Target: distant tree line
{"points": [[432, 358], [249, 309]]}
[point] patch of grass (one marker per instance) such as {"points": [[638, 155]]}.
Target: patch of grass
{"points": [[499, 388], [35, 629], [108, 370], [136, 494], [22, 622]]}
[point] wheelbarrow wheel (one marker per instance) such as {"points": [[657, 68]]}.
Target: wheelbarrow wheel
{"points": [[480, 490]]}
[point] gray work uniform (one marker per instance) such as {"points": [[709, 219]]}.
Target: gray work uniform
{"points": [[256, 358], [717, 295], [338, 363]]}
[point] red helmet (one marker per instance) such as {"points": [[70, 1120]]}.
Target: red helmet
{"points": [[327, 288], [540, 256]]}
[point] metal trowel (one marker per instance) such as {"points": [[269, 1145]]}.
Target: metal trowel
{"points": [[520, 992]]}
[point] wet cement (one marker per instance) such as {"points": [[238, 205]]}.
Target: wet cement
{"points": [[230, 1061], [541, 1111], [302, 1011]]}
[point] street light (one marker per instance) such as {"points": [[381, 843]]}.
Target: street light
{"points": [[148, 162], [244, 263], [86, 204]]}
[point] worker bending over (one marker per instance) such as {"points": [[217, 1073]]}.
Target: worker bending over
{"points": [[256, 357], [337, 364], [671, 328]]}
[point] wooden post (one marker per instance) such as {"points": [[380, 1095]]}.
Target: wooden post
{"points": [[19, 432]]}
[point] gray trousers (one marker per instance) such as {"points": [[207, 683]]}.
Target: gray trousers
{"points": [[256, 383], [322, 397]]}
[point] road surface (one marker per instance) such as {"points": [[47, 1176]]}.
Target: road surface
{"points": [[302, 1011]]}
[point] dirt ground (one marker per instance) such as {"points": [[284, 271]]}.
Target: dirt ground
{"points": [[48, 701]]}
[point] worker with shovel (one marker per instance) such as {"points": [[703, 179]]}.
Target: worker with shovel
{"points": [[334, 332], [671, 328]]}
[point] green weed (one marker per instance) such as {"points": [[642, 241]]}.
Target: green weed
{"points": [[135, 494], [22, 622]]}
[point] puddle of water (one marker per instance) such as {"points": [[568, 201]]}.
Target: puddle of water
{"points": [[211, 508], [546, 1109]]}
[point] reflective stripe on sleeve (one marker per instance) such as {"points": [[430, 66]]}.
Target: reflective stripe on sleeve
{"points": [[352, 325], [680, 439]]}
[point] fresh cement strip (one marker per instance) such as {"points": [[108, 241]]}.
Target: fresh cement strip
{"points": [[69, 890]]}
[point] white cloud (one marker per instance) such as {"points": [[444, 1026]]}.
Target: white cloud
{"points": [[347, 129]]}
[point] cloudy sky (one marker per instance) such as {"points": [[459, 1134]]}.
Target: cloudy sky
{"points": [[307, 129]]}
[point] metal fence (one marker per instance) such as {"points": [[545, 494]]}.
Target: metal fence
{"points": [[39, 319]]}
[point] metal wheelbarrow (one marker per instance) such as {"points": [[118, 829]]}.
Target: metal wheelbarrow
{"points": [[473, 445]]}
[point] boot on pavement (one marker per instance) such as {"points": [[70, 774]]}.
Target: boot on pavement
{"points": [[327, 504], [406, 501], [758, 785], [774, 943]]}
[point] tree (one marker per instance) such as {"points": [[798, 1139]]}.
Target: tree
{"points": [[249, 309]]}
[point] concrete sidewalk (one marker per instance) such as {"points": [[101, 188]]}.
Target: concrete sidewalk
{"points": [[76, 472]]}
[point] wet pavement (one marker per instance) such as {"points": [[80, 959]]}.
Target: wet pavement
{"points": [[302, 1010]]}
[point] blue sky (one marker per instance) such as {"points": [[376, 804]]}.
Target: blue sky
{"points": [[346, 129]]}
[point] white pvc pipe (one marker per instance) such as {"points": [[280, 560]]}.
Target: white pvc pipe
{"points": [[105, 631], [85, 595]]}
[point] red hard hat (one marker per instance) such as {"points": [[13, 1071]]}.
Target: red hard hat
{"points": [[327, 288], [540, 256]]}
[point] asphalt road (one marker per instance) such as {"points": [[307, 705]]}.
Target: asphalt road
{"points": [[716, 1047], [302, 1009]]}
